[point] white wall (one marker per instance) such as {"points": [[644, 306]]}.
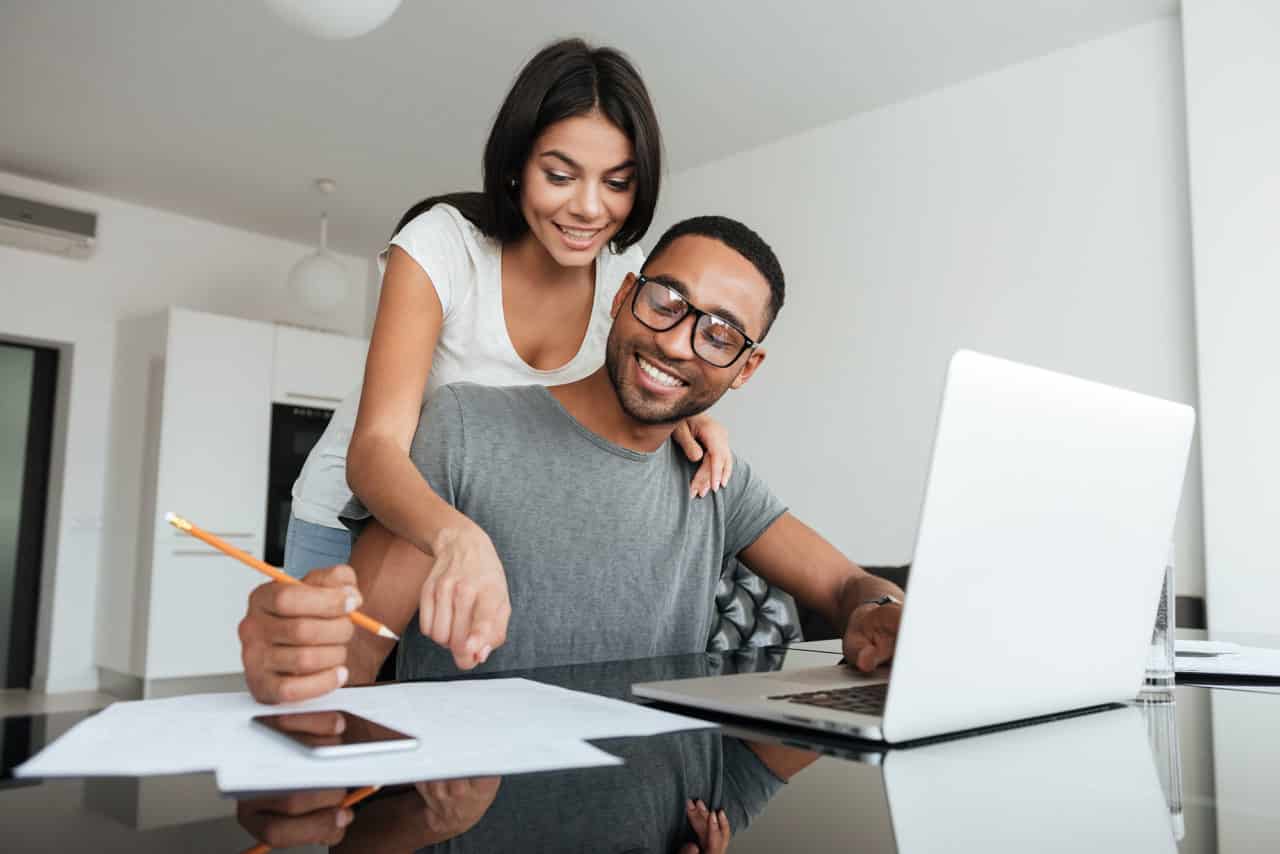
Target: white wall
{"points": [[1037, 213], [1233, 116], [145, 260]]}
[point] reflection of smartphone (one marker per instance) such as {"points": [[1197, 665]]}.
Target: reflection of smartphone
{"points": [[359, 735]]}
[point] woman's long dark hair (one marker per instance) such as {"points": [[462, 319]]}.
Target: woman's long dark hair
{"points": [[566, 79]]}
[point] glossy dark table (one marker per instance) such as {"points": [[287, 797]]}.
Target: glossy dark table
{"points": [[1204, 770]]}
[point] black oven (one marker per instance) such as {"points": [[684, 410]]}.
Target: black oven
{"points": [[294, 432]]}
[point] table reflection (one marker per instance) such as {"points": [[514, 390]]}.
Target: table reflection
{"points": [[1160, 713], [643, 805], [1070, 784], [1108, 780], [1089, 782], [664, 798], [1086, 783]]}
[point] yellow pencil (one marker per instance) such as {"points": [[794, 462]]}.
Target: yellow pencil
{"points": [[349, 801], [361, 620]]}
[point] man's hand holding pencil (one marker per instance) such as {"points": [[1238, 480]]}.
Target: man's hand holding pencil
{"points": [[294, 638], [293, 641]]}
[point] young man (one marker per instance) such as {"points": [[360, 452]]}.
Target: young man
{"points": [[586, 502]]}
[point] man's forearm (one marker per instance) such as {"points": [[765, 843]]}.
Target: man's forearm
{"points": [[784, 762], [796, 558], [389, 573], [861, 586], [396, 823]]}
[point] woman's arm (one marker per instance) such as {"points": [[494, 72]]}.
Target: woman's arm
{"points": [[379, 471], [467, 577]]}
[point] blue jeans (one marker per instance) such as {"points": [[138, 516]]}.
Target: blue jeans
{"points": [[309, 546]]}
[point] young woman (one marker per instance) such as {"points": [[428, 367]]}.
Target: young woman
{"points": [[509, 286]]}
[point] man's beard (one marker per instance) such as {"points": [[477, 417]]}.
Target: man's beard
{"points": [[637, 404]]}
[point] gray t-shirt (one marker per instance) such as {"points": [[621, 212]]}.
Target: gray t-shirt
{"points": [[606, 555]]}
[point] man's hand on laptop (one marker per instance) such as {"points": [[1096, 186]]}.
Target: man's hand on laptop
{"points": [[465, 605], [871, 634], [293, 641]]}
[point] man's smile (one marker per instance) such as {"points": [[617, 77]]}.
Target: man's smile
{"points": [[659, 376]]}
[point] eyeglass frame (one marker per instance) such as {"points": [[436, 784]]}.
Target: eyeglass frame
{"points": [[698, 314]]}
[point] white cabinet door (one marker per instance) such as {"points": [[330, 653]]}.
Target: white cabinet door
{"points": [[214, 438], [316, 368]]}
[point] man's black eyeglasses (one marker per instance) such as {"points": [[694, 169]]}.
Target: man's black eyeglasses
{"points": [[715, 340]]}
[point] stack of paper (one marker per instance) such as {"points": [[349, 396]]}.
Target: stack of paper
{"points": [[1215, 658], [464, 728]]}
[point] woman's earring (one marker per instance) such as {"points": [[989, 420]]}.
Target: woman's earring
{"points": [[514, 183]]}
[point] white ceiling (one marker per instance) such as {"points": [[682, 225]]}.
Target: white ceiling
{"points": [[219, 110]]}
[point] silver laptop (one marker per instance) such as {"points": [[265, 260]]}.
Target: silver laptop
{"points": [[1038, 562]]}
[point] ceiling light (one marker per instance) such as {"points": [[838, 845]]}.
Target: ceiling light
{"points": [[319, 281], [334, 19]]}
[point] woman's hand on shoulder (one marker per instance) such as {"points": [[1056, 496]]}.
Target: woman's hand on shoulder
{"points": [[704, 439]]}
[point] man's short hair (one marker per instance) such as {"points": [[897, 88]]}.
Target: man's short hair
{"points": [[740, 239]]}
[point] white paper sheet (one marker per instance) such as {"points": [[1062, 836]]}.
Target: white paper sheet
{"points": [[1226, 659], [171, 736], [465, 728], [1200, 647]]}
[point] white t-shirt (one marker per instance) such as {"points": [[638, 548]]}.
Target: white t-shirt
{"points": [[466, 268]]}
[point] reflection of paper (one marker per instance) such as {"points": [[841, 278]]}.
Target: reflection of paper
{"points": [[1242, 661], [467, 725], [291, 769]]}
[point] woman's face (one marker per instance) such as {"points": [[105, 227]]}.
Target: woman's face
{"points": [[578, 187]]}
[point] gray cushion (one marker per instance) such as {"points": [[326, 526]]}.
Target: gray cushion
{"points": [[750, 613]]}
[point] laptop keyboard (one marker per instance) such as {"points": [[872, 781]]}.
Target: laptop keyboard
{"points": [[863, 699]]}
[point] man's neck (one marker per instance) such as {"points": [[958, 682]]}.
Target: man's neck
{"points": [[594, 403]]}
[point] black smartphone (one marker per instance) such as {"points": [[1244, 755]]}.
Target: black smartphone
{"points": [[318, 733]]}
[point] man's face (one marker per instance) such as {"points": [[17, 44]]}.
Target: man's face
{"points": [[657, 376]]}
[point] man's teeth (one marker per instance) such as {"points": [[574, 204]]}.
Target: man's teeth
{"points": [[658, 376], [578, 234]]}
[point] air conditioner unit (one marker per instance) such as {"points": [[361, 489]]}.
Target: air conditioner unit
{"points": [[47, 228]]}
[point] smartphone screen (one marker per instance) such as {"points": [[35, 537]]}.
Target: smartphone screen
{"points": [[335, 732]]}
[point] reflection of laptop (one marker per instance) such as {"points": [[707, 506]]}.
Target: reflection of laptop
{"points": [[1083, 784], [1038, 562]]}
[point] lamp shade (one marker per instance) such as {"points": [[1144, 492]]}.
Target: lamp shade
{"points": [[334, 19], [318, 281]]}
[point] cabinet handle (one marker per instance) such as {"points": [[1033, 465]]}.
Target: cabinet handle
{"points": [[322, 397]]}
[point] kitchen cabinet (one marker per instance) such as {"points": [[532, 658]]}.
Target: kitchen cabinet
{"points": [[212, 469], [209, 409], [316, 368]]}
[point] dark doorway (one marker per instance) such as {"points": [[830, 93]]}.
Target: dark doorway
{"points": [[28, 381]]}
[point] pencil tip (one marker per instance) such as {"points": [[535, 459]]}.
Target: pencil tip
{"points": [[177, 521], [387, 633]]}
